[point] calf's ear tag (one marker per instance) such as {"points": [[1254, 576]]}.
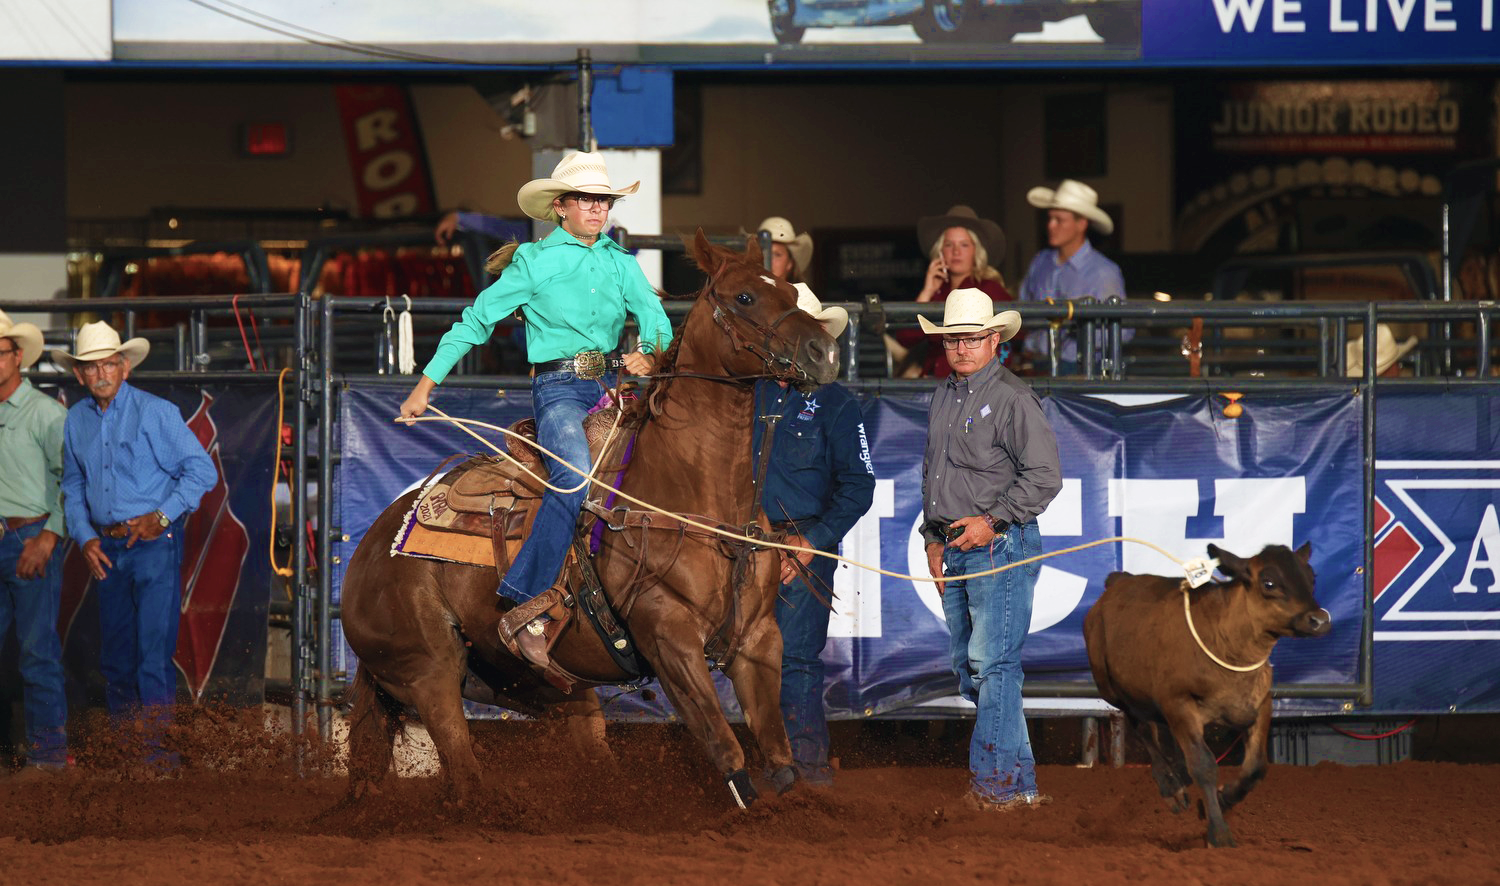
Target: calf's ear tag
{"points": [[1199, 571]]}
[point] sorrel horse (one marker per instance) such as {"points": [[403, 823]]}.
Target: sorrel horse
{"points": [[425, 630]]}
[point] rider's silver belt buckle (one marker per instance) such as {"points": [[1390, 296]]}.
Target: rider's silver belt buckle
{"points": [[589, 365]]}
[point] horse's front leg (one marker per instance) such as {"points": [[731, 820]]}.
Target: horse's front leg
{"points": [[683, 671], [756, 675]]}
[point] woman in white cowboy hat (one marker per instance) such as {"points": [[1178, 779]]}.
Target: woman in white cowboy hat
{"points": [[818, 484], [31, 525], [1387, 353], [574, 288], [960, 246], [791, 252], [1070, 267]]}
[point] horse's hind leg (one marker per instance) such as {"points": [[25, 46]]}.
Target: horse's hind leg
{"points": [[439, 702], [756, 675], [372, 731]]}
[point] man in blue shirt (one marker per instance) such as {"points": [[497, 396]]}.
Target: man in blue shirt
{"points": [[1071, 267], [131, 473], [818, 483]]}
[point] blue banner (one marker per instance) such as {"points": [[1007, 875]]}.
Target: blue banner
{"points": [[1174, 472], [1437, 552], [1230, 32]]}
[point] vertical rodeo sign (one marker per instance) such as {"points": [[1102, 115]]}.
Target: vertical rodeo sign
{"points": [[385, 151]]}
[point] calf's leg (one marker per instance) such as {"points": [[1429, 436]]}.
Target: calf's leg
{"points": [[1254, 767], [1187, 728], [1161, 748]]}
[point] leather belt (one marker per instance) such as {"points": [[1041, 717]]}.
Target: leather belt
{"points": [[587, 365], [14, 523], [117, 530]]}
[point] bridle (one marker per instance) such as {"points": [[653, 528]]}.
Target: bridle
{"points": [[761, 342]]}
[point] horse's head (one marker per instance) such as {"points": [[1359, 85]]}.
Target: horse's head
{"points": [[767, 334]]}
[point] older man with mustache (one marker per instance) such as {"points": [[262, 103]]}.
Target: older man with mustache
{"points": [[132, 471]]}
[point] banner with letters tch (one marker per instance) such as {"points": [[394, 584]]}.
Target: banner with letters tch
{"points": [[1172, 471]]}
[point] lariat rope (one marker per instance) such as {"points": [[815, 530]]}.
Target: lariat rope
{"points": [[1187, 612], [729, 534], [589, 477]]}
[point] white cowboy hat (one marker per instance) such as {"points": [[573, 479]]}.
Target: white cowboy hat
{"points": [[1074, 197], [579, 172], [970, 310], [799, 245], [1387, 352], [834, 318], [26, 336], [991, 236], [97, 341]]}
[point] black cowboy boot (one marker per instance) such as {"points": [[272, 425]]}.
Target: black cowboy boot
{"points": [[530, 629]]}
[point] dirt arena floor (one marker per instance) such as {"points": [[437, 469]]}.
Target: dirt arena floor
{"points": [[236, 813]]}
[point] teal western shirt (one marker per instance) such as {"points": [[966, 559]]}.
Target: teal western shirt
{"points": [[574, 298], [31, 456]]}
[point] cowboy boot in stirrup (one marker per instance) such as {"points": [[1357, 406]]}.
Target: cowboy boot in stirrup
{"points": [[528, 630]]}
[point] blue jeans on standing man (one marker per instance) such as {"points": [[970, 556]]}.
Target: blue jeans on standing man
{"points": [[803, 619], [988, 619], [32, 605], [561, 401], [140, 602]]}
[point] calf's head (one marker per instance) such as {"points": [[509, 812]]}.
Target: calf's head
{"points": [[1278, 585]]}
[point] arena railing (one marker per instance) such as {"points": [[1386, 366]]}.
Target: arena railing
{"points": [[192, 358], [1330, 320]]}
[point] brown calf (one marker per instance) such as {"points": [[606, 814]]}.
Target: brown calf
{"points": [[1147, 663]]}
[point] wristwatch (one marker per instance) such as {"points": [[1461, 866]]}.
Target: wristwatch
{"points": [[162, 519]]}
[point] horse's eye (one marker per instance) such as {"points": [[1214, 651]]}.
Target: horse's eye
{"points": [[745, 298]]}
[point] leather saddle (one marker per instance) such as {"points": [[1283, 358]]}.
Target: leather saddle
{"points": [[490, 496]]}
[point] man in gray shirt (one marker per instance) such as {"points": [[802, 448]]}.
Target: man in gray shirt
{"points": [[991, 467]]}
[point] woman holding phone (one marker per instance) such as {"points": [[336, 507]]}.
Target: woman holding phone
{"points": [[960, 245]]}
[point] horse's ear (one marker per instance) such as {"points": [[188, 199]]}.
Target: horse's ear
{"points": [[704, 253], [753, 255]]}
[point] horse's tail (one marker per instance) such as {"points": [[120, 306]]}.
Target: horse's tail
{"points": [[365, 698], [500, 259]]}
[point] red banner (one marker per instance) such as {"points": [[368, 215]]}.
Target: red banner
{"points": [[385, 151]]}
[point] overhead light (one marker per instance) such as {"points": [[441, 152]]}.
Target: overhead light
{"points": [[1161, 296], [172, 223]]}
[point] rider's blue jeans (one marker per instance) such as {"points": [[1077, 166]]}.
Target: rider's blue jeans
{"points": [[561, 401], [32, 604], [987, 622], [803, 619]]}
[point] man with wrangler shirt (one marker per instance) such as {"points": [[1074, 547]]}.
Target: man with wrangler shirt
{"points": [[990, 468]]}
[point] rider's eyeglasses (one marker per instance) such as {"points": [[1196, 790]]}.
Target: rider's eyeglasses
{"points": [[970, 343], [590, 201], [9, 351]]}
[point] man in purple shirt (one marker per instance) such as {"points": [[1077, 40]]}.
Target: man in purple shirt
{"points": [[1070, 267]]}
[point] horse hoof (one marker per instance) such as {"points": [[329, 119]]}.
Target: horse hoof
{"points": [[784, 778], [741, 789]]}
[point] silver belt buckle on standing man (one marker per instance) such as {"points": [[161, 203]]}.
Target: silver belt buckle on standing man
{"points": [[589, 365]]}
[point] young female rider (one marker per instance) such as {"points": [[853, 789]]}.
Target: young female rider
{"points": [[574, 288]]}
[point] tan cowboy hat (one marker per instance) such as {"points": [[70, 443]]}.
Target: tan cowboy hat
{"points": [[1387, 352], [97, 341], [1074, 197], [26, 336], [991, 235], [970, 310], [799, 245], [834, 318], [579, 172]]}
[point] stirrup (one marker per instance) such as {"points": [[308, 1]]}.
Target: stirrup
{"points": [[524, 634]]}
